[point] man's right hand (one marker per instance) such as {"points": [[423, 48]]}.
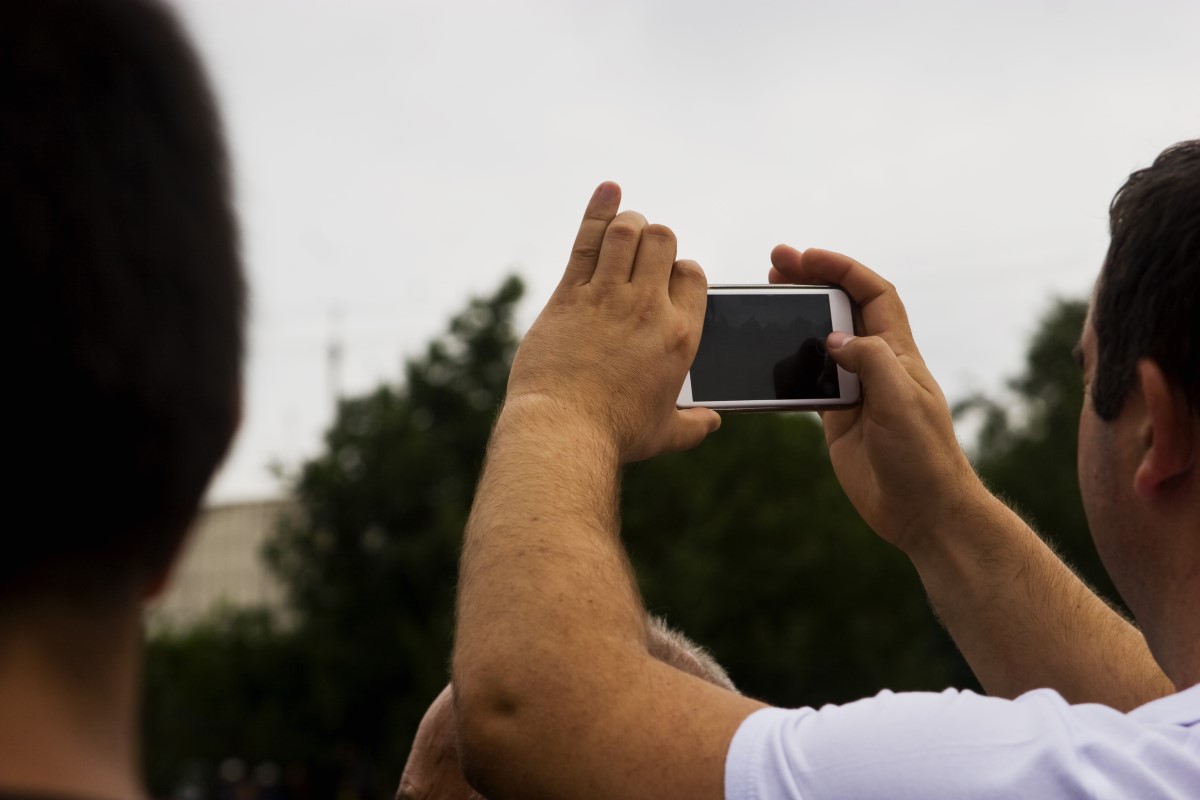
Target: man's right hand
{"points": [[1019, 615], [896, 455]]}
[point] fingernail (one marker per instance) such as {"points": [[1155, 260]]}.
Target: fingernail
{"points": [[606, 191], [837, 340]]}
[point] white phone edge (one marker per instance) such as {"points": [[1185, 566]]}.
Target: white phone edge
{"points": [[841, 315]]}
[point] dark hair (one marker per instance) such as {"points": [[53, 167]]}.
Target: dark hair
{"points": [[125, 298], [1148, 297]]}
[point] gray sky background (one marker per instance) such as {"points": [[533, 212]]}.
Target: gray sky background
{"points": [[395, 157]]}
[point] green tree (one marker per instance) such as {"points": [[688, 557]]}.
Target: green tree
{"points": [[225, 688], [749, 545], [370, 564], [370, 568]]}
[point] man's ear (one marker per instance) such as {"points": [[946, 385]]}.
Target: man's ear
{"points": [[1167, 432]]}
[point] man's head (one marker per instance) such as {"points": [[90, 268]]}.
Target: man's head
{"points": [[1139, 427], [433, 771], [125, 294]]}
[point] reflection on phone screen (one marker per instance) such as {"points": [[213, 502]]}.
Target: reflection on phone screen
{"points": [[764, 347]]}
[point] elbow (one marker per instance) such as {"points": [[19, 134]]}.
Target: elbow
{"points": [[487, 714]]}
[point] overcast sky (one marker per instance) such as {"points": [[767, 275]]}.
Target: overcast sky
{"points": [[395, 157]]}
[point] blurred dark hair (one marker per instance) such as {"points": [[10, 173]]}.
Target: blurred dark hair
{"points": [[125, 304], [1148, 297]]}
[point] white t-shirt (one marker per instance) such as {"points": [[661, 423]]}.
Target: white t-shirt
{"points": [[959, 745]]}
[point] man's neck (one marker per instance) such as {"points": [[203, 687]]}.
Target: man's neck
{"points": [[1178, 645], [1171, 623], [68, 705]]}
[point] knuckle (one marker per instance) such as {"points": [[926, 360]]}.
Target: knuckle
{"points": [[689, 270], [662, 231], [586, 251], [623, 231], [682, 336], [645, 307], [895, 301], [876, 345]]}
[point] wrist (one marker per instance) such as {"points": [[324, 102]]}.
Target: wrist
{"points": [[968, 521], [555, 426], [547, 461]]}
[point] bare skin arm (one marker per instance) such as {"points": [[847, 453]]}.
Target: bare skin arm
{"points": [[1021, 617], [557, 694]]}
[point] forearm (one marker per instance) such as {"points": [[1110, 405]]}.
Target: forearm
{"points": [[547, 605], [1023, 619]]}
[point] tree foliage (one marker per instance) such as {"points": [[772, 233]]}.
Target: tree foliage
{"points": [[750, 546], [370, 570], [370, 564], [228, 687]]}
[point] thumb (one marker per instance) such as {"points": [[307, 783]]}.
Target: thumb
{"points": [[872, 359], [690, 427]]}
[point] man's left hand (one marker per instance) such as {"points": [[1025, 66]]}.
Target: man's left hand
{"points": [[612, 346]]}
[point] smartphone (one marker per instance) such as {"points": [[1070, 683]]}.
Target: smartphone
{"points": [[763, 349]]}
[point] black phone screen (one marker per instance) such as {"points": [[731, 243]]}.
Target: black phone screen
{"points": [[764, 347]]}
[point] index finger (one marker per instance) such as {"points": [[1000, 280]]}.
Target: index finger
{"points": [[585, 253], [883, 313]]}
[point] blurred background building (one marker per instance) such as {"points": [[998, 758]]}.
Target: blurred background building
{"points": [[223, 566]]}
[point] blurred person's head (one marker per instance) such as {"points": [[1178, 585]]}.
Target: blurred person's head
{"points": [[125, 297], [674, 649], [1139, 433], [433, 771], [123, 321]]}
